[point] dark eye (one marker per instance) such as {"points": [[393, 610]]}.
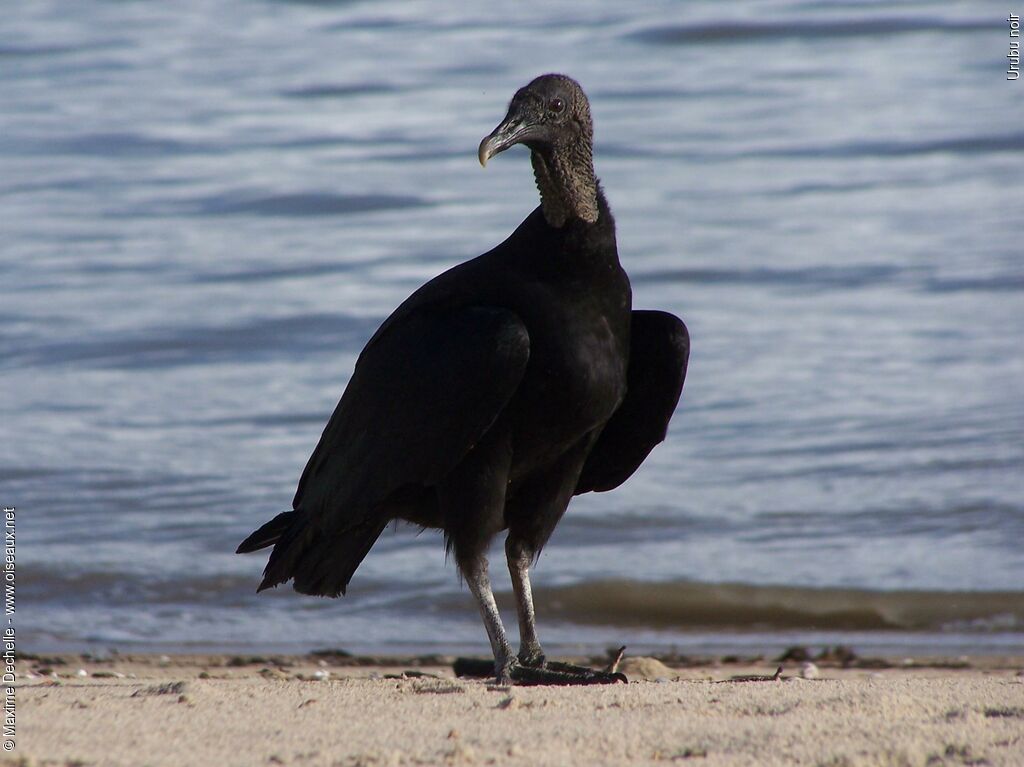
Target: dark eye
{"points": [[556, 105]]}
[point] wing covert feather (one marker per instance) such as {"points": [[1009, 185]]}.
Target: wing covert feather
{"points": [[422, 394]]}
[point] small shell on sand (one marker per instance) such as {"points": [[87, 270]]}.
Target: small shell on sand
{"points": [[649, 669]]}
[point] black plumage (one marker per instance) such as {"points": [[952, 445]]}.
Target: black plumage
{"points": [[495, 392]]}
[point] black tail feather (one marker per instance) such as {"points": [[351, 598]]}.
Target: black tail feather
{"points": [[319, 564], [268, 534], [326, 569]]}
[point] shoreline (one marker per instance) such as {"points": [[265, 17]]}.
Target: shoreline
{"points": [[831, 657], [396, 710]]}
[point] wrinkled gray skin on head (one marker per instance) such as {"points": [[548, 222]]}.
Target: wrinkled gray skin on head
{"points": [[551, 116]]}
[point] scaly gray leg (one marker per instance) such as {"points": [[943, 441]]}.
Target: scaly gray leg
{"points": [[506, 667], [530, 651], [480, 584], [530, 666]]}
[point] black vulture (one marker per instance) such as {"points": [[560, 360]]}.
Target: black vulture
{"points": [[495, 393]]}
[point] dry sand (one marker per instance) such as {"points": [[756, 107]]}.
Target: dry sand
{"points": [[200, 710]]}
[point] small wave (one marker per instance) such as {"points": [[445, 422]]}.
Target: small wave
{"points": [[261, 338], [825, 187], [747, 607], [121, 145], [744, 31], [339, 91], [298, 271], [824, 277], [962, 145], [476, 68], [639, 93], [352, 24], [994, 284], [17, 51], [130, 588], [280, 273], [264, 420], [120, 588], [20, 473], [304, 204], [970, 145], [20, 51]]}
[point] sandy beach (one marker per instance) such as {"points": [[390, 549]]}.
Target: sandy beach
{"points": [[305, 710]]}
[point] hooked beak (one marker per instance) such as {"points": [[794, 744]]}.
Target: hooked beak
{"points": [[512, 130]]}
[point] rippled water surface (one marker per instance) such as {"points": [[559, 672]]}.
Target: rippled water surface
{"points": [[206, 210]]}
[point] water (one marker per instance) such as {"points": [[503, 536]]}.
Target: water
{"points": [[207, 210]]}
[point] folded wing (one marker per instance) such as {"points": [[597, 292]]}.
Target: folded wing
{"points": [[659, 351], [427, 387]]}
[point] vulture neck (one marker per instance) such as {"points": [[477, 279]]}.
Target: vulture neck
{"points": [[568, 187]]}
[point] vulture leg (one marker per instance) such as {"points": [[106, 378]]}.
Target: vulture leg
{"points": [[479, 582], [530, 667], [530, 652]]}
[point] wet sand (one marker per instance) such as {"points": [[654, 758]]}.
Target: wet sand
{"points": [[305, 710]]}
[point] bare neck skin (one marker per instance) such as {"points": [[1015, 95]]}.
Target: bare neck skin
{"points": [[568, 187]]}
